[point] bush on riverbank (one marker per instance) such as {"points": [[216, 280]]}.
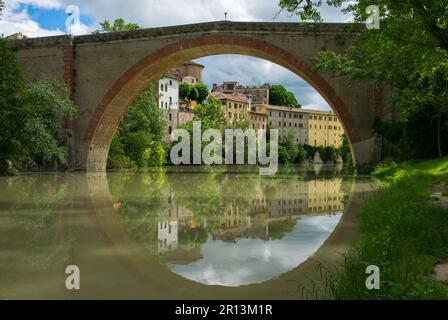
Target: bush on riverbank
{"points": [[31, 127], [402, 233]]}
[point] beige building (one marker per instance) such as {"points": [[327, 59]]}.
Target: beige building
{"points": [[258, 95], [235, 107], [259, 119], [190, 72], [286, 120]]}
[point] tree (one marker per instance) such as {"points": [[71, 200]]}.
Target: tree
{"points": [[138, 141], [409, 53], [2, 6], [202, 92], [279, 96], [31, 133], [119, 25], [184, 90], [211, 114], [197, 92]]}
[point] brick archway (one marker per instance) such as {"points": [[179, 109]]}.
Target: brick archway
{"points": [[109, 111]]}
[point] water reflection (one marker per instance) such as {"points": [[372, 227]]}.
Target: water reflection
{"points": [[242, 230], [137, 235]]}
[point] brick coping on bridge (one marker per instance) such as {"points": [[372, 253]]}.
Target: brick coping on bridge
{"points": [[346, 29]]}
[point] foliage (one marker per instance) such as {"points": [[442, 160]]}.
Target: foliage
{"points": [[290, 151], [31, 133], [184, 90], [327, 154], [279, 96], [119, 25], [345, 151], [2, 6], [197, 92], [409, 53], [403, 233], [211, 114], [138, 141]]}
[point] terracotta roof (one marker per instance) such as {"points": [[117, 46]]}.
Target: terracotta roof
{"points": [[259, 113], [308, 111], [230, 97]]}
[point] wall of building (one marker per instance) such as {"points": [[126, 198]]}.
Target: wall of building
{"points": [[325, 130], [259, 95], [289, 119], [168, 94]]}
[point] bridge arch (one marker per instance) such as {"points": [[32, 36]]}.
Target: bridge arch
{"points": [[114, 103]]}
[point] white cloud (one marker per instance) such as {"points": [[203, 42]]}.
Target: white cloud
{"points": [[253, 71], [19, 21], [155, 13]]}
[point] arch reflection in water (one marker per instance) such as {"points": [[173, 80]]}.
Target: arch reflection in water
{"points": [[231, 229]]}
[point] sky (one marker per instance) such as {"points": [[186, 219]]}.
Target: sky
{"points": [[251, 261], [37, 18]]}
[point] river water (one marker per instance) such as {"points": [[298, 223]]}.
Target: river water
{"points": [[186, 234]]}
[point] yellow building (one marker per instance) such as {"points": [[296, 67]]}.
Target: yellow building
{"points": [[236, 107], [324, 129]]}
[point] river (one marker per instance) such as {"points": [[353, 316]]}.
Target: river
{"points": [[199, 233]]}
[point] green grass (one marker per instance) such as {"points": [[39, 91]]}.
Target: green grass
{"points": [[402, 233]]}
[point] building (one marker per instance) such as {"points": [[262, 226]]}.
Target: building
{"points": [[324, 129], [235, 107], [175, 110], [259, 118], [258, 95], [17, 36], [190, 72], [312, 127], [286, 120], [168, 93]]}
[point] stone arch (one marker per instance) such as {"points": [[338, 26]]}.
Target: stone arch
{"points": [[112, 106]]}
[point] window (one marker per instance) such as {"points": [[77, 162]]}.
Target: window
{"points": [[171, 83], [300, 116], [170, 130], [171, 101], [166, 87], [170, 117]]}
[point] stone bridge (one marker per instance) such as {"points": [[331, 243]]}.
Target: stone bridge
{"points": [[105, 72]]}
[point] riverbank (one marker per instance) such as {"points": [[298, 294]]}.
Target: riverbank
{"points": [[403, 232]]}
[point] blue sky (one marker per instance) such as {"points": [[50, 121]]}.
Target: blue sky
{"points": [[36, 18]]}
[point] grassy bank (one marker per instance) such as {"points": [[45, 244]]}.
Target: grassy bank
{"points": [[402, 233]]}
